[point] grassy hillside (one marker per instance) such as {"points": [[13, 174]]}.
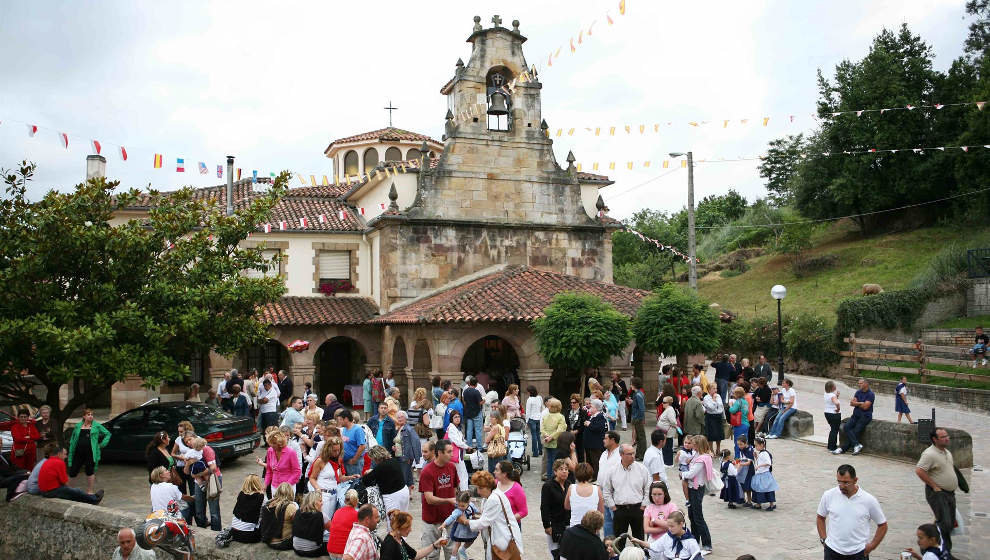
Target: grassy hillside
{"points": [[890, 260]]}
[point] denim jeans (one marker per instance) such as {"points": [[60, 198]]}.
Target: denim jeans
{"points": [[70, 493], [474, 431], [608, 528], [854, 427], [355, 468], [201, 503], [551, 456], [781, 420], [723, 388], [534, 433]]}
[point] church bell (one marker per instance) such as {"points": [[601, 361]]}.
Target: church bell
{"points": [[497, 107]]}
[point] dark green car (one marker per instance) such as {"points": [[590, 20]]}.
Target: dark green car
{"points": [[229, 436]]}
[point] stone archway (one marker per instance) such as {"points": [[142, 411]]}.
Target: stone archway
{"points": [[272, 354], [494, 356], [400, 361], [339, 363]]}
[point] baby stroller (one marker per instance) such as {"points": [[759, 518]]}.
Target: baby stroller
{"points": [[516, 444]]}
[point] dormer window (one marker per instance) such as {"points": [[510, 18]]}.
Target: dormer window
{"points": [[499, 99]]}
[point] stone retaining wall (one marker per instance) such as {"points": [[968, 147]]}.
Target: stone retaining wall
{"points": [[35, 528], [899, 440], [963, 338], [978, 399]]}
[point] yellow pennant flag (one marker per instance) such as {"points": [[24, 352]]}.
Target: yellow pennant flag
{"points": [[611, 165], [683, 163], [579, 167], [560, 132], [597, 131], [693, 123], [570, 132], [725, 123], [629, 164], [622, 7], [642, 128], [325, 181], [594, 166], [766, 120], [627, 129], [312, 180], [301, 178], [656, 128], [611, 131], [666, 163], [646, 163], [556, 54]]}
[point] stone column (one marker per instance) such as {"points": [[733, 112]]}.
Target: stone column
{"points": [[539, 378], [219, 365], [418, 378], [300, 374]]}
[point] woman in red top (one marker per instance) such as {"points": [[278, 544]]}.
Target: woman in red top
{"points": [[25, 434], [341, 524]]}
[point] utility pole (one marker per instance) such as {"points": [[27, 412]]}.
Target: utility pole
{"points": [[692, 260]]}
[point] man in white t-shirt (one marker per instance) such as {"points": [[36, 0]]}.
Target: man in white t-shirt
{"points": [[268, 395], [788, 406], [653, 458], [849, 510], [607, 461]]}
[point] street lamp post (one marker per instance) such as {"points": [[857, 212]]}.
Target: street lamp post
{"points": [[692, 261], [779, 292]]}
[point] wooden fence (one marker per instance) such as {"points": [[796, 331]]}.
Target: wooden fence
{"points": [[863, 351]]}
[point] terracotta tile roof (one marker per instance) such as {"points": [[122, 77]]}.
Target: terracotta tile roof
{"points": [[291, 209], [516, 293], [319, 310], [383, 135], [585, 177], [319, 191], [243, 192]]}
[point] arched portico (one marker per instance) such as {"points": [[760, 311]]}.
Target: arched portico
{"points": [[339, 363]]}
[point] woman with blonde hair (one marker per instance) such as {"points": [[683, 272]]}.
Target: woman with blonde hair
{"points": [[699, 472], [277, 515], [341, 525], [247, 511], [308, 527], [420, 416], [550, 429], [281, 463], [163, 491], [328, 472], [394, 545]]}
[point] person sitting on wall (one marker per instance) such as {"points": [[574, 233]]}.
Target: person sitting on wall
{"points": [[53, 481], [979, 349]]}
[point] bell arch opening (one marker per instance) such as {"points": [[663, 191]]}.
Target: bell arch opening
{"points": [[499, 98]]}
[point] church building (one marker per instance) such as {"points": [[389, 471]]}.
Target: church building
{"points": [[437, 271]]}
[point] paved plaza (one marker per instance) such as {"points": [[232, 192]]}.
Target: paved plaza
{"points": [[804, 470]]}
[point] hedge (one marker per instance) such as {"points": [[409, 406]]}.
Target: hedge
{"points": [[887, 310]]}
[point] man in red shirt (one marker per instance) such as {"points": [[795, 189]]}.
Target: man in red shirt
{"points": [[53, 480], [438, 482]]}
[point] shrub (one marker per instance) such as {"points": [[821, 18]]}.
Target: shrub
{"points": [[809, 338], [806, 337], [729, 273], [808, 265], [888, 310]]}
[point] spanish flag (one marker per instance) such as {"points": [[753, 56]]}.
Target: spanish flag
{"points": [[158, 161]]}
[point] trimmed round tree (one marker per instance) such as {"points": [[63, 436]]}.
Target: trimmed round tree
{"points": [[675, 322], [580, 330]]}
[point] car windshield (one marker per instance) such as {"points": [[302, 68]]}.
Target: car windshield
{"points": [[202, 413]]}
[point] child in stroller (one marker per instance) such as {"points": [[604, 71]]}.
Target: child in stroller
{"points": [[516, 443]]}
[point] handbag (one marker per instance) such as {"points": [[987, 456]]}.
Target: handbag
{"points": [[213, 487], [512, 551], [497, 446], [713, 485], [735, 419]]}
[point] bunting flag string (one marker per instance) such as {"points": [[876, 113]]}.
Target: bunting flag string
{"points": [[666, 163], [655, 128], [660, 245]]}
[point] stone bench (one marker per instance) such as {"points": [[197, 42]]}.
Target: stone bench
{"points": [[800, 424], [900, 440]]}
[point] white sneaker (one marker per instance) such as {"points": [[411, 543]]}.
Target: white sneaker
{"points": [[857, 449], [771, 436], [984, 361], [838, 451]]}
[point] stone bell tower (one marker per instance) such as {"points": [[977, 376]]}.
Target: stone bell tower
{"points": [[497, 164]]}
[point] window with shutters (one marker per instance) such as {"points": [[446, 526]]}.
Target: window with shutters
{"points": [[271, 256], [334, 265]]}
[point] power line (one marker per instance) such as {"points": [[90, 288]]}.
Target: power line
{"points": [[850, 215], [646, 182]]}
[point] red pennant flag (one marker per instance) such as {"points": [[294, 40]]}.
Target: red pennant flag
{"points": [[873, 150], [65, 139], [361, 210], [572, 45], [323, 218], [303, 223], [939, 105], [909, 107], [550, 62], [268, 228], [96, 146], [342, 214], [33, 129], [381, 205], [123, 153], [283, 225], [609, 18]]}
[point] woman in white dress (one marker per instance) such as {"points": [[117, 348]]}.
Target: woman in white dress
{"points": [[496, 516], [457, 439]]}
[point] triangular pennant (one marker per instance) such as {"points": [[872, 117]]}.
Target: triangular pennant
{"points": [[96, 146], [964, 148], [123, 153], [65, 139], [361, 210], [939, 105], [268, 228], [33, 129], [283, 225], [766, 120], [303, 223], [322, 218], [980, 104], [622, 7]]}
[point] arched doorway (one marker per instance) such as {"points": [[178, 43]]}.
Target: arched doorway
{"points": [[399, 359], [339, 362], [636, 361], [271, 354], [494, 356]]}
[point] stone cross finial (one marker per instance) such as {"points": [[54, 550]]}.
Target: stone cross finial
{"points": [[477, 23], [460, 63], [570, 160], [496, 20], [515, 25]]}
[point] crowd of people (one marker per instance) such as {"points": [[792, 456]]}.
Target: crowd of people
{"points": [[332, 475]]}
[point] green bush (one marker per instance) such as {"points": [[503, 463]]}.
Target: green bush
{"points": [[888, 310], [809, 338], [729, 273]]}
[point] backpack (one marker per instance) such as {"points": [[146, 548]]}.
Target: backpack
{"points": [[377, 389], [771, 459]]}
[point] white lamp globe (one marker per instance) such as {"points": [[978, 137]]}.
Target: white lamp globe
{"points": [[778, 292]]}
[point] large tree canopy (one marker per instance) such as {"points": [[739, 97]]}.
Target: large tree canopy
{"points": [[87, 300], [674, 321], [580, 331]]}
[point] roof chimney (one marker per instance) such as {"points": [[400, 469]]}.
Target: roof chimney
{"points": [[230, 185], [96, 166]]}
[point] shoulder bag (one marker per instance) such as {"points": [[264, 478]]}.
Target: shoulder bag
{"points": [[497, 447], [512, 551]]}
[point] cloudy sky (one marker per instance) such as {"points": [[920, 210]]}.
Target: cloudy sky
{"points": [[274, 82]]}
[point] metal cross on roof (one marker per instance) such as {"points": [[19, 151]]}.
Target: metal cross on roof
{"points": [[390, 108]]}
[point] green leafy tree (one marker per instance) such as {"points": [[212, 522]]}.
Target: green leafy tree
{"points": [[579, 331], [719, 209], [780, 167], [674, 321], [87, 303]]}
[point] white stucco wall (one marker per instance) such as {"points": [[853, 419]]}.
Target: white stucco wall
{"points": [[405, 187], [589, 197]]}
